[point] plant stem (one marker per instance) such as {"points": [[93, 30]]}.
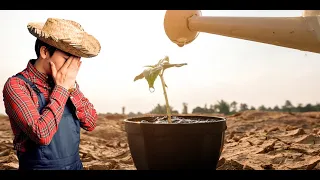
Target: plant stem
{"points": [[166, 98]]}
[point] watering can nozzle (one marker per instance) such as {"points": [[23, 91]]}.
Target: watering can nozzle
{"points": [[176, 26], [301, 32]]}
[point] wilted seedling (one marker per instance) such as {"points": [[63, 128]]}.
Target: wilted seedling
{"points": [[151, 74]]}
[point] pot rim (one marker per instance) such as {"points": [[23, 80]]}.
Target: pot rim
{"points": [[137, 119]]}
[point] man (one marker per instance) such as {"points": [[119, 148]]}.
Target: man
{"points": [[44, 103]]}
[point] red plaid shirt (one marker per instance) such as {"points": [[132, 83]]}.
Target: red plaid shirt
{"points": [[21, 106]]}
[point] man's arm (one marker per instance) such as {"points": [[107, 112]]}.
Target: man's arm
{"points": [[22, 110], [85, 110]]}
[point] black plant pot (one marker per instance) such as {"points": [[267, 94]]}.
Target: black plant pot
{"points": [[173, 146]]}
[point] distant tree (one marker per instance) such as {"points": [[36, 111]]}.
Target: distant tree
{"points": [[131, 114], [198, 110], [243, 107], [123, 110], [175, 112], [205, 107], [159, 110], [287, 107], [233, 107], [308, 108], [185, 108], [211, 109], [252, 108], [224, 107], [276, 108], [262, 108], [317, 107], [299, 108], [162, 110]]}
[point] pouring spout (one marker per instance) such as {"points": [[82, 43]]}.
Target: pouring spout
{"points": [[301, 33]]}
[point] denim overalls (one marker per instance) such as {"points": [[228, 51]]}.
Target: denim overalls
{"points": [[63, 151]]}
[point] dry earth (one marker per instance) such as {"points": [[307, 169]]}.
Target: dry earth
{"points": [[254, 140]]}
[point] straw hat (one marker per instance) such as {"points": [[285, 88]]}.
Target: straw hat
{"points": [[67, 36]]}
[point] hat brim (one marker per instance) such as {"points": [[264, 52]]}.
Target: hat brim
{"points": [[89, 46]]}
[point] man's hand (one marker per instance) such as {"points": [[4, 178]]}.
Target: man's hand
{"points": [[66, 75]]}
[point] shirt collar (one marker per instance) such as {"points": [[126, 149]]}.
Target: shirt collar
{"points": [[35, 74]]}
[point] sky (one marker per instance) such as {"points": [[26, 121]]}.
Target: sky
{"points": [[218, 67]]}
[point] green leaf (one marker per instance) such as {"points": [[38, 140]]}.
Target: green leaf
{"points": [[151, 75], [166, 58], [167, 65], [153, 71], [150, 66], [140, 76]]}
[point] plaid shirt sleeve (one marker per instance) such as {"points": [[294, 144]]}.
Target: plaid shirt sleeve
{"points": [[85, 111], [22, 110]]}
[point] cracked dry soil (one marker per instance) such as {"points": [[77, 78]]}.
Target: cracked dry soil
{"points": [[254, 140]]}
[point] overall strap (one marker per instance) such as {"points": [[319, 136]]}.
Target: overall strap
{"points": [[41, 98]]}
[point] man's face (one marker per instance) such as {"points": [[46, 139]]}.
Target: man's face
{"points": [[58, 58]]}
